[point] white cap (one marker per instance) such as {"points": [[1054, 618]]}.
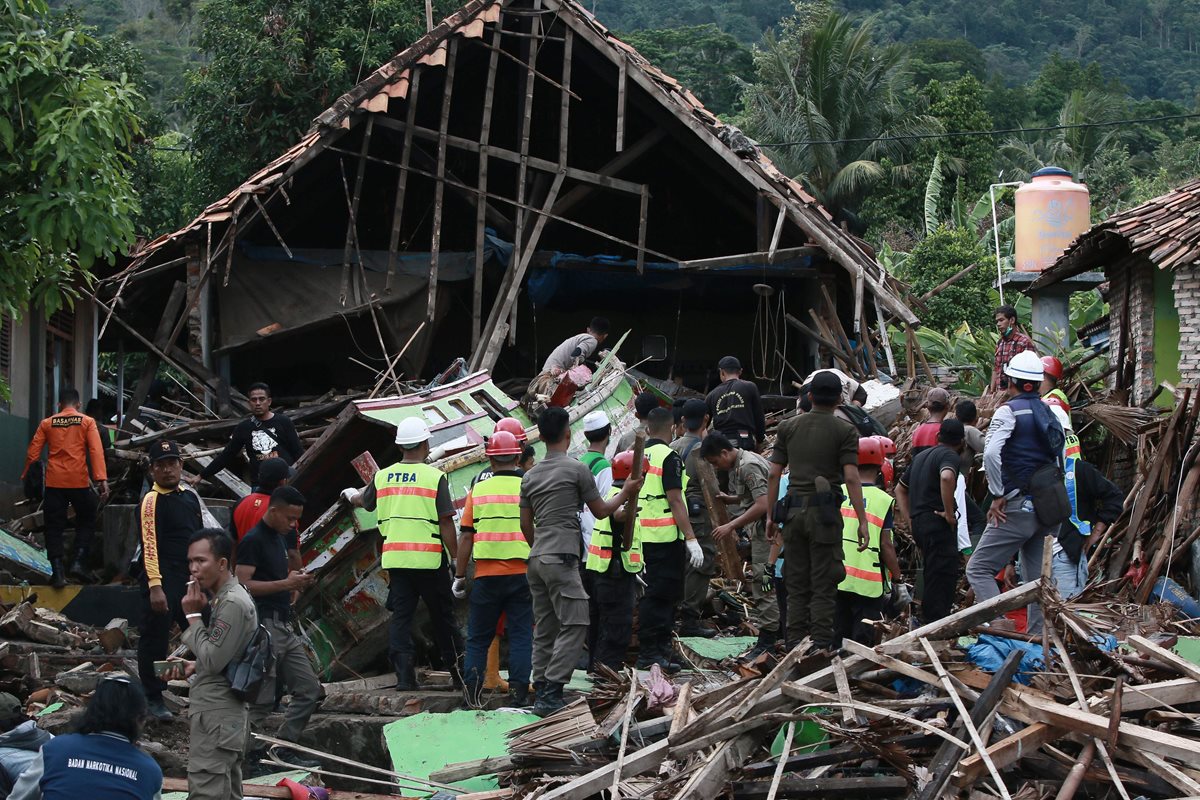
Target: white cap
{"points": [[1025, 366], [596, 420], [411, 432]]}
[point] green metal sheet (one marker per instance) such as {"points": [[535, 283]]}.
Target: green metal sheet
{"points": [[21, 552], [425, 742], [1188, 648], [718, 649]]}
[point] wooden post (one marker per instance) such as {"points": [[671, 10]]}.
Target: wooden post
{"points": [[718, 514], [162, 342], [643, 210], [439, 187], [485, 132], [402, 180], [635, 471], [526, 125], [564, 112], [622, 79], [352, 222]]}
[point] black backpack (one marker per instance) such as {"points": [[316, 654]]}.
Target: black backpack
{"points": [[866, 424], [247, 673]]}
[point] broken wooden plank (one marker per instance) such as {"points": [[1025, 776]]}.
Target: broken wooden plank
{"points": [[1172, 660], [875, 786]]}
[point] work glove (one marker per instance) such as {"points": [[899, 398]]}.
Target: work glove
{"points": [[349, 494], [901, 595], [459, 588], [695, 554]]}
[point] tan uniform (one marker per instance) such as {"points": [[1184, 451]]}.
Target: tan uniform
{"points": [[748, 481], [696, 579], [218, 717]]}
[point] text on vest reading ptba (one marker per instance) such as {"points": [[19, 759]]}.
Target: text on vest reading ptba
{"points": [[403, 477]]}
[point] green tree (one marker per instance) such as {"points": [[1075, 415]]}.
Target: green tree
{"points": [[272, 67], [829, 88], [66, 197], [710, 63], [941, 254]]}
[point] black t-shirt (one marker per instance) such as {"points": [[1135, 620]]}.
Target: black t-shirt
{"points": [[735, 406], [924, 478], [266, 551], [257, 438]]}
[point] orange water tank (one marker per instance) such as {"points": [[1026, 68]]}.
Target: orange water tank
{"points": [[1052, 209]]}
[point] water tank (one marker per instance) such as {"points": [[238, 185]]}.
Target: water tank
{"points": [[1052, 209]]}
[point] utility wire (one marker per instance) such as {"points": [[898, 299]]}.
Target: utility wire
{"points": [[958, 134]]}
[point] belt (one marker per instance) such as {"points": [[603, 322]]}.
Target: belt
{"points": [[279, 616]]}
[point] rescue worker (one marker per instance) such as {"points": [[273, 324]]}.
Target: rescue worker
{"points": [[597, 430], [100, 758], [552, 494], [643, 404], [265, 568], [416, 517], [579, 347], [612, 568], [273, 473], [168, 518], [74, 444], [696, 580], [1023, 436], [937, 402], [1096, 503], [887, 470], [927, 496], [669, 544], [490, 532], [748, 476], [861, 593], [219, 719], [513, 426], [820, 451], [260, 436], [734, 407]]}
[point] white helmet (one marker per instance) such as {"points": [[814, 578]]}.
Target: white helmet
{"points": [[411, 432], [1025, 366]]}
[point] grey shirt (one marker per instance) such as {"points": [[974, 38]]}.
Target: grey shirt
{"points": [[556, 490], [563, 357]]}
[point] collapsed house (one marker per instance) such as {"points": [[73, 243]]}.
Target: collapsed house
{"points": [[485, 192]]}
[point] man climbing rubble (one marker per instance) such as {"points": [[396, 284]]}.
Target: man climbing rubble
{"points": [[416, 517], [579, 347]]}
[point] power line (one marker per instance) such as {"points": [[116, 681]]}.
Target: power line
{"points": [[999, 132]]}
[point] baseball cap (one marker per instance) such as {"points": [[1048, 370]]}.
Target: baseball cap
{"points": [[938, 395], [729, 364], [164, 449], [695, 409], [825, 383], [644, 404], [10, 706], [274, 470], [595, 421], [951, 431]]}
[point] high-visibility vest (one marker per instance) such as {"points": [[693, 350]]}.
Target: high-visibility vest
{"points": [[1072, 453], [496, 514], [655, 521], [406, 508], [600, 549], [864, 575]]}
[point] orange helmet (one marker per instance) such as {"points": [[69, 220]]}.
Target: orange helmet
{"points": [[888, 472], [622, 465], [1052, 367], [870, 452], [887, 445], [502, 443], [513, 426]]}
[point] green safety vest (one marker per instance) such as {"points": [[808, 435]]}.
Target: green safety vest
{"points": [[600, 549], [864, 575], [496, 512], [406, 508], [655, 522]]}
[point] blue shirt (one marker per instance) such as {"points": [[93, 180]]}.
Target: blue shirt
{"points": [[99, 765]]}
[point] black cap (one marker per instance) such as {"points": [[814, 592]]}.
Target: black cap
{"points": [[273, 472], [644, 403], [952, 431], [164, 449], [695, 409], [825, 384], [730, 364]]}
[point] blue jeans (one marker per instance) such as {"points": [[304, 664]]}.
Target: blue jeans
{"points": [[1070, 578], [492, 596]]}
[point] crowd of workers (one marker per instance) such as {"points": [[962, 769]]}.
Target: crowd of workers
{"points": [[562, 554]]}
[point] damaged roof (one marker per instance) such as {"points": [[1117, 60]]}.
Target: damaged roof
{"points": [[391, 80], [1162, 230]]}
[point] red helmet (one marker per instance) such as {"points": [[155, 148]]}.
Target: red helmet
{"points": [[502, 443], [513, 426], [1052, 367], [870, 452], [622, 465], [887, 445], [889, 474]]}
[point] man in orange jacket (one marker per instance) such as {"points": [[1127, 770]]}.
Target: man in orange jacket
{"points": [[73, 441]]}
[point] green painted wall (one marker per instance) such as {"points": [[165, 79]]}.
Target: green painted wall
{"points": [[1166, 333], [14, 439]]}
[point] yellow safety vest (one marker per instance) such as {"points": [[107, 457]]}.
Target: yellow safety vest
{"points": [[601, 548], [496, 513], [656, 523], [406, 507], [864, 575]]}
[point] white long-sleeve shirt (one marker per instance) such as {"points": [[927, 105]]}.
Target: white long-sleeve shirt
{"points": [[1003, 423]]}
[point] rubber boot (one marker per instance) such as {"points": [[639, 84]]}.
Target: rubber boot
{"points": [[550, 700], [406, 674], [765, 644], [492, 679], [518, 696], [79, 568], [58, 578]]}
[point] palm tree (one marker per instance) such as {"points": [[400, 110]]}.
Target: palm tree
{"points": [[834, 94], [1072, 148]]}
